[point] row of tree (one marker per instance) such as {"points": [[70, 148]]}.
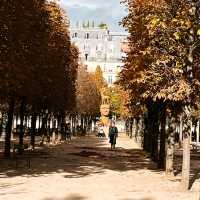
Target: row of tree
{"points": [[162, 73], [90, 88], [38, 63], [88, 97]]}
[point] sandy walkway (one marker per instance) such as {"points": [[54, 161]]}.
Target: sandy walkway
{"points": [[86, 169]]}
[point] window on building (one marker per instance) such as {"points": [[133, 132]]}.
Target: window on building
{"points": [[74, 35], [86, 56], [87, 35], [110, 80]]}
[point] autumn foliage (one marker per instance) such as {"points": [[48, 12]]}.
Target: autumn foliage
{"points": [[38, 63], [164, 44], [162, 72]]}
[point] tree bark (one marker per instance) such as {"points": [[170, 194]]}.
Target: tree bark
{"points": [[9, 128], [154, 130], [53, 137], [145, 137], [33, 127], [21, 133], [135, 128], [186, 156], [149, 128], [170, 147], [59, 128], [162, 153], [131, 127], [44, 128], [197, 130], [82, 122], [1, 124]]}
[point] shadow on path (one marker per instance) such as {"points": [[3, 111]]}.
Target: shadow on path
{"points": [[78, 197], [70, 197], [194, 166], [138, 199], [83, 157]]}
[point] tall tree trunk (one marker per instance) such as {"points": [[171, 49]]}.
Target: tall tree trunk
{"points": [[33, 127], [82, 122], [170, 146], [197, 130], [186, 155], [131, 127], [145, 136], [63, 136], [1, 123], [53, 139], [155, 140], [44, 128], [162, 154], [180, 131], [39, 122], [9, 128], [149, 128], [74, 125], [154, 130], [59, 128], [4, 125], [22, 129], [135, 128]]}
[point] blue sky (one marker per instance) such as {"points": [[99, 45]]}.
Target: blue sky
{"points": [[108, 11]]}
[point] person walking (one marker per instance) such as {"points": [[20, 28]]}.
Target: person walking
{"points": [[113, 134]]}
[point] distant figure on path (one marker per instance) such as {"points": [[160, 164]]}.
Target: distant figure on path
{"points": [[101, 131], [113, 134]]}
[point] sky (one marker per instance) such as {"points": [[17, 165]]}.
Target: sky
{"points": [[108, 11]]}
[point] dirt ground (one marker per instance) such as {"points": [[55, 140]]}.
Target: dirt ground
{"points": [[86, 169]]}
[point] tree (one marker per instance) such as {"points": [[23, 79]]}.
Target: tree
{"points": [[118, 101], [88, 95], [103, 25], [99, 79], [161, 63], [44, 61]]}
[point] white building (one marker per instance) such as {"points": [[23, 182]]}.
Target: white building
{"points": [[100, 47]]}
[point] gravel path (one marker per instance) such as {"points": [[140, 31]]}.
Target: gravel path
{"points": [[86, 169]]}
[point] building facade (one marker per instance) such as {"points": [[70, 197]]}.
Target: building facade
{"points": [[100, 47]]}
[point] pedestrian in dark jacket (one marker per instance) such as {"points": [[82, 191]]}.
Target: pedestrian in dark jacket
{"points": [[113, 134]]}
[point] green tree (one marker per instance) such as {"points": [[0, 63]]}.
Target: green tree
{"points": [[103, 25]]}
